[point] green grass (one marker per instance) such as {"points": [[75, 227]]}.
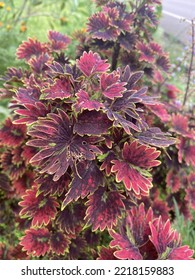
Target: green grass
{"points": [[185, 227]]}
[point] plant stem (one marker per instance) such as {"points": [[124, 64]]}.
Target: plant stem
{"points": [[115, 56], [191, 64]]}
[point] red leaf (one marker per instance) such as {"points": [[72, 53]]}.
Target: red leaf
{"points": [[146, 54], [163, 62], [180, 123], [160, 111], [14, 170], [38, 64], [127, 250], [92, 123], [172, 91], [83, 102], [127, 41], [58, 41], [156, 48], [111, 86], [90, 177], [138, 222], [107, 163], [155, 137], [59, 147], [135, 155], [36, 241], [40, 208], [162, 235], [190, 196], [28, 96], [60, 89], [181, 253], [189, 155], [131, 178], [104, 208], [122, 121], [140, 155], [11, 134], [30, 48], [167, 241], [31, 113], [91, 63], [48, 186], [118, 17], [59, 243]]}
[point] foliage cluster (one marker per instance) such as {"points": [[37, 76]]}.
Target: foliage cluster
{"points": [[96, 148]]}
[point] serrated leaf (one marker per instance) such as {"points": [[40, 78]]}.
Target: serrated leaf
{"points": [[71, 218], [60, 89], [90, 177], [104, 208], [99, 27], [40, 208], [110, 85], [131, 178], [91, 63], [140, 155], [59, 243], [36, 242], [85, 103]]}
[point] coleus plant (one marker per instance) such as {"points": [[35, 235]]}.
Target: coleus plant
{"points": [[79, 149]]}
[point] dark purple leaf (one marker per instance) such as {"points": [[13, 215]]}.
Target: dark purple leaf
{"points": [[104, 208], [92, 123], [90, 177], [99, 27]]}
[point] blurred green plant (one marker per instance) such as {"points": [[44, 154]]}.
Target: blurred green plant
{"points": [[32, 18], [185, 227]]}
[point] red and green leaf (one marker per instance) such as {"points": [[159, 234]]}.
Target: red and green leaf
{"points": [[36, 242], [11, 134], [132, 178], [91, 63], [41, 209], [104, 208]]}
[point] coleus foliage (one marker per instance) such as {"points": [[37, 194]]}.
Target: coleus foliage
{"points": [[85, 148]]}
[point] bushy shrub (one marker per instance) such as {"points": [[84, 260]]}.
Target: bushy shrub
{"points": [[96, 147]]}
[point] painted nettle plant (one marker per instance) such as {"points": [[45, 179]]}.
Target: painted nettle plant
{"points": [[95, 149]]}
